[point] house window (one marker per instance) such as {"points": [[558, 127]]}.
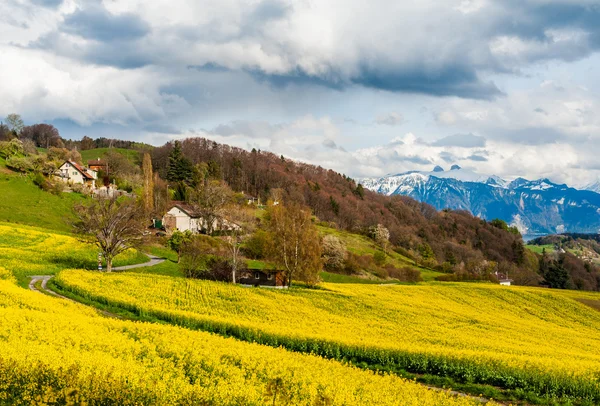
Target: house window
{"points": [[74, 173], [256, 275], [270, 276]]}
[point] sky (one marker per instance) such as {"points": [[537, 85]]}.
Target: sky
{"points": [[367, 88]]}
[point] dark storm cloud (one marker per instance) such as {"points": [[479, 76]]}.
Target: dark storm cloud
{"points": [[450, 80], [97, 23], [298, 78], [441, 68], [460, 140]]}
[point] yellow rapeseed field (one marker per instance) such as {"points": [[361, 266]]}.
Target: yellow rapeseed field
{"points": [[54, 352], [514, 337], [34, 251]]}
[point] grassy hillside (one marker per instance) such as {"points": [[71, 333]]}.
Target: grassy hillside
{"points": [[525, 339], [24, 203], [29, 251], [90, 154], [538, 249], [361, 245]]}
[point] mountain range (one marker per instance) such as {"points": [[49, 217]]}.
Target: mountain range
{"points": [[534, 207]]}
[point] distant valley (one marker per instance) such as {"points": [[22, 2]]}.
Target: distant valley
{"points": [[534, 207]]}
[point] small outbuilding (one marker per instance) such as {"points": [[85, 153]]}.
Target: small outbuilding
{"points": [[505, 282], [269, 278], [97, 165]]}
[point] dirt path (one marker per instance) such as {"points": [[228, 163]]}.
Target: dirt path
{"points": [[154, 260]]}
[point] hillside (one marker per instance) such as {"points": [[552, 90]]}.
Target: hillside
{"points": [[449, 241], [533, 340], [90, 154], [23, 202]]}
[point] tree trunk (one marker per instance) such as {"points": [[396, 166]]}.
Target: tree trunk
{"points": [[108, 264]]}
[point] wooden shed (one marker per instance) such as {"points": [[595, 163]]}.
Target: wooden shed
{"points": [[269, 278]]}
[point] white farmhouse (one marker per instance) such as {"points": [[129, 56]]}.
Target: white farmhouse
{"points": [[73, 173], [183, 217]]}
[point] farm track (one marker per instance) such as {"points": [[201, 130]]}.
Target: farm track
{"points": [[154, 260]]}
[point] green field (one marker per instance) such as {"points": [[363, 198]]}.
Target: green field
{"points": [[91, 154], [538, 249], [23, 202]]}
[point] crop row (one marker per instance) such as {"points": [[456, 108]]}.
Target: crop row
{"points": [[543, 345]]}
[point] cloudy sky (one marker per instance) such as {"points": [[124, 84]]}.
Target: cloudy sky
{"points": [[506, 87]]}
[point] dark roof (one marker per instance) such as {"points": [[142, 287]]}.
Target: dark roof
{"points": [[186, 208], [82, 170], [96, 162]]}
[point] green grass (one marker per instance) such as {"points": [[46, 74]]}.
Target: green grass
{"points": [[91, 154], [539, 248], [22, 202], [361, 245], [167, 268], [338, 278]]}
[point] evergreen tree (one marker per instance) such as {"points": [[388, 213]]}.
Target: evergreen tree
{"points": [[556, 276], [179, 168]]}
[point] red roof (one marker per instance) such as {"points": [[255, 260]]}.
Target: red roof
{"points": [[81, 170]]}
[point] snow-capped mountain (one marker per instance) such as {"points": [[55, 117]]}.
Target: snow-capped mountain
{"points": [[538, 206], [594, 187]]}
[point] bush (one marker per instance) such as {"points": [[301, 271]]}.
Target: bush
{"points": [[255, 247], [405, 274], [334, 253], [379, 257]]}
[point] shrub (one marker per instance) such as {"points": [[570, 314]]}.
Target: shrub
{"points": [[379, 257], [334, 253], [405, 274], [255, 246]]}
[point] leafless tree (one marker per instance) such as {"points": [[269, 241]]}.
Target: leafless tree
{"points": [[116, 225], [240, 222], [209, 201]]}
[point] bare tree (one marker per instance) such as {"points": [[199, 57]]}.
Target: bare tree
{"points": [[294, 242], [116, 225], [209, 201], [240, 222]]}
